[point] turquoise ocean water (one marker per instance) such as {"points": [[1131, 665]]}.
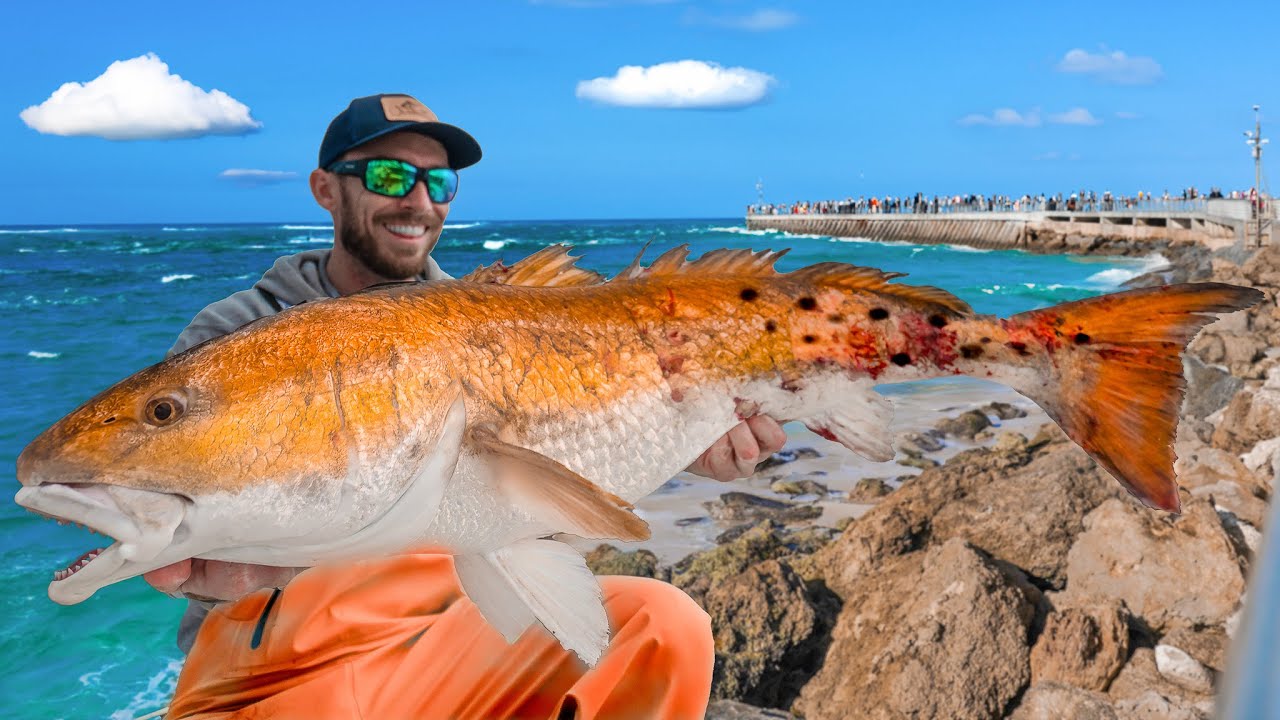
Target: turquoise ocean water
{"points": [[82, 308]]}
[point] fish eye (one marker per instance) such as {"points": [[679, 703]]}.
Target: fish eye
{"points": [[164, 409]]}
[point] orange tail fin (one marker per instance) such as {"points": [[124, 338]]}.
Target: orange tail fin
{"points": [[1119, 384]]}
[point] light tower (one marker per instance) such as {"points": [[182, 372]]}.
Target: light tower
{"points": [[1256, 141]]}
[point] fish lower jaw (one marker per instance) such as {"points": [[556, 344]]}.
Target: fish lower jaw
{"points": [[80, 564]]}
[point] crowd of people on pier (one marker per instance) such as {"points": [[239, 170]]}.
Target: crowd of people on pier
{"points": [[1081, 201]]}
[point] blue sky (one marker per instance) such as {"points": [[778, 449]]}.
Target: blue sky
{"points": [[816, 99]]}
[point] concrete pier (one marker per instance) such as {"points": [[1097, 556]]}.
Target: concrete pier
{"points": [[1221, 223]]}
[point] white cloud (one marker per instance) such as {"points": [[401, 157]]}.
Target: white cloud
{"points": [[1115, 67], [1051, 155], [686, 84], [1126, 115], [758, 21], [139, 99], [1075, 116], [1004, 116], [254, 178]]}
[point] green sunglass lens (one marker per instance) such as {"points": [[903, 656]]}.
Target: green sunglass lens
{"points": [[389, 177], [442, 184]]}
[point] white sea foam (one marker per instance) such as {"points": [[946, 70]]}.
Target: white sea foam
{"points": [[42, 355], [494, 244], [1114, 277], [26, 250], [743, 231], [179, 276], [156, 695], [37, 231], [183, 229], [460, 226], [310, 240], [306, 227], [966, 248]]}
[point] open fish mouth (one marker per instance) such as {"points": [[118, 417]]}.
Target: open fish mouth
{"points": [[142, 524]]}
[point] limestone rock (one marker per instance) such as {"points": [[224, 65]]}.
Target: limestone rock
{"points": [[1024, 507], [1182, 669], [1152, 705], [764, 627], [919, 443], [734, 710], [609, 560], [966, 425], [745, 507], [939, 633], [1082, 646], [923, 463], [783, 457], [869, 490], [1210, 388], [803, 486], [1210, 472], [697, 573], [1054, 701], [1004, 411], [1146, 558]]}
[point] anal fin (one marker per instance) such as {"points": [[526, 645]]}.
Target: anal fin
{"points": [[864, 426], [541, 579]]}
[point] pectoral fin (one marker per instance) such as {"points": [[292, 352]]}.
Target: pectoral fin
{"points": [[555, 494], [544, 579]]}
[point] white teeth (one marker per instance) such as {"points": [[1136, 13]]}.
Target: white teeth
{"points": [[412, 230]]}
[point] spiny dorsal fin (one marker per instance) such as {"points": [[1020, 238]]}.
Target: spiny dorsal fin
{"points": [[853, 277], [551, 266]]}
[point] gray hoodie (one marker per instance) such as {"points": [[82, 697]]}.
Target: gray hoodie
{"points": [[292, 280]]}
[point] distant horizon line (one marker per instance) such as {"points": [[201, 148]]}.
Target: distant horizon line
{"points": [[278, 223]]}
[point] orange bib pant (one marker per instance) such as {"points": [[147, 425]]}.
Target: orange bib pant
{"points": [[396, 638]]}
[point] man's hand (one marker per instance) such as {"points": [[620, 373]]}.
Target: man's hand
{"points": [[216, 580], [737, 453]]}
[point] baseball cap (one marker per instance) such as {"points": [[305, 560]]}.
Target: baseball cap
{"points": [[371, 117]]}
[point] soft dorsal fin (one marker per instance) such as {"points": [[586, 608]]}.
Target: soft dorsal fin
{"points": [[853, 277], [744, 262], [551, 266]]}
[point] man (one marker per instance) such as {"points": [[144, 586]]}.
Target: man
{"points": [[395, 637]]}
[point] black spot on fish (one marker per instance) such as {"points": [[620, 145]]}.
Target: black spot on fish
{"points": [[748, 294], [971, 351], [109, 420], [937, 321], [985, 340], [1020, 348], [1082, 339], [770, 326], [836, 318], [901, 359], [879, 313], [810, 339], [807, 303]]}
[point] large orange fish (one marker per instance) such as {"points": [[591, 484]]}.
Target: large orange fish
{"points": [[488, 415]]}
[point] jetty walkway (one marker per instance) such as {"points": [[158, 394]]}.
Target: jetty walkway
{"points": [[1213, 224]]}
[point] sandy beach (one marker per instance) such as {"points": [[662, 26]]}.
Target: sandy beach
{"points": [[681, 524]]}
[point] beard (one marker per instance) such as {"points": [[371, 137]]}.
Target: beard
{"points": [[382, 261]]}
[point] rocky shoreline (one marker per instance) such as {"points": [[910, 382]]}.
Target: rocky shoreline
{"points": [[1010, 577]]}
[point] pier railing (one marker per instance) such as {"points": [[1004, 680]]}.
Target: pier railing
{"points": [[1212, 223]]}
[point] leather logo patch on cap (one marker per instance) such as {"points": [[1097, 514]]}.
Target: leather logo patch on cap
{"points": [[403, 107]]}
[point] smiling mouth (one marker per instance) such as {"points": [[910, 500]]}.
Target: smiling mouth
{"points": [[406, 231]]}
